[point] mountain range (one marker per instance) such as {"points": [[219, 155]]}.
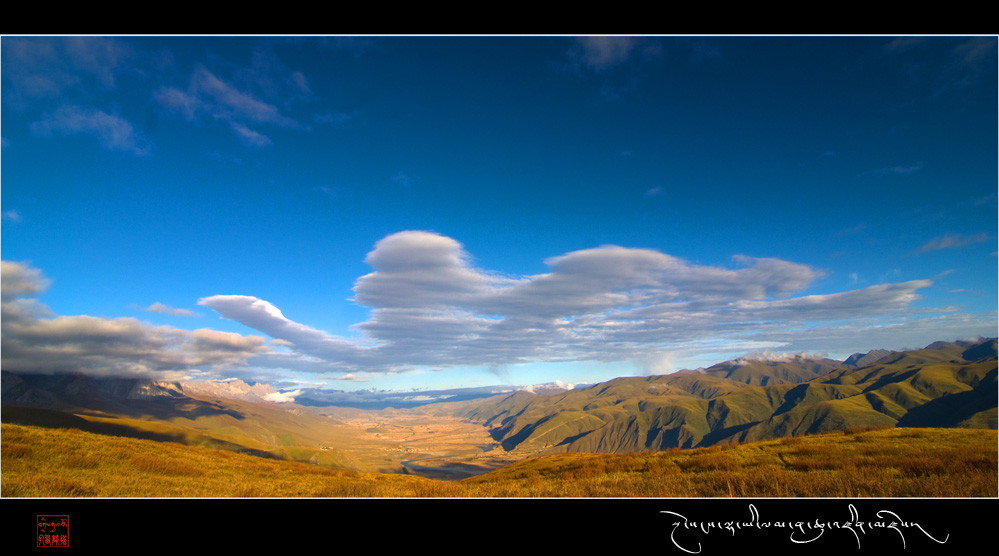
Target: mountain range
{"points": [[945, 384]]}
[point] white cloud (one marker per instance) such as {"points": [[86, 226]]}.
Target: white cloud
{"points": [[420, 269], [431, 308], [774, 357], [265, 317], [282, 397], [35, 341], [20, 280]]}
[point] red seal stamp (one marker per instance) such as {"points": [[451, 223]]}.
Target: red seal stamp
{"points": [[52, 530]]}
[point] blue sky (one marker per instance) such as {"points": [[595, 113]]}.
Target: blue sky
{"points": [[415, 212]]}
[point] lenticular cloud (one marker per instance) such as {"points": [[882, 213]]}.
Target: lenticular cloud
{"points": [[431, 307], [422, 269]]}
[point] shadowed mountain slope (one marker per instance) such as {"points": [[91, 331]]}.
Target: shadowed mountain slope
{"points": [[161, 411]]}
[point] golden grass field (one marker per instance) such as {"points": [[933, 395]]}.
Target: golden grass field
{"points": [[56, 462]]}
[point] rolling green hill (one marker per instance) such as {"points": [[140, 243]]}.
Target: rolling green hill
{"points": [[946, 384]]}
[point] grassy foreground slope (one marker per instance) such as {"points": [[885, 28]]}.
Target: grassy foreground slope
{"points": [[53, 462]]}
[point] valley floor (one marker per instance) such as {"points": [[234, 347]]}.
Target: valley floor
{"points": [[441, 447]]}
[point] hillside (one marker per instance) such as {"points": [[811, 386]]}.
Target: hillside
{"points": [[162, 411], [877, 462], [60, 462], [946, 384], [53, 462]]}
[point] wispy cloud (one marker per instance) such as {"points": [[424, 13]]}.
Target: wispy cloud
{"points": [[852, 231], [904, 44], [989, 199], [337, 119], [45, 68], [952, 241], [209, 97], [898, 170], [656, 191], [223, 100], [963, 62], [611, 57], [354, 45], [977, 52], [701, 49], [167, 310], [403, 179], [251, 137], [111, 131], [42, 74], [333, 192], [601, 53]]}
